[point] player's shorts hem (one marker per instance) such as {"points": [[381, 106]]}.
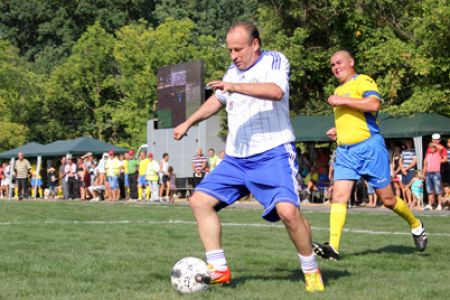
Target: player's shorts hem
{"points": [[212, 194], [270, 213]]}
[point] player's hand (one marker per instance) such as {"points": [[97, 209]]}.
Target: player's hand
{"points": [[335, 100], [225, 87], [331, 133], [404, 172], [180, 131]]}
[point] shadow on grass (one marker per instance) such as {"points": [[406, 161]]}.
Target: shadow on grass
{"points": [[294, 275], [394, 249]]}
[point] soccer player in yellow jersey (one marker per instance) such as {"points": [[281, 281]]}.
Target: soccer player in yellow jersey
{"points": [[361, 152]]}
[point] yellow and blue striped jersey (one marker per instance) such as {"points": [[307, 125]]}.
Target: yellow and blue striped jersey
{"points": [[352, 125]]}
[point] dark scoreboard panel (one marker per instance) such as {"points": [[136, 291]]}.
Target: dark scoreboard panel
{"points": [[180, 92]]}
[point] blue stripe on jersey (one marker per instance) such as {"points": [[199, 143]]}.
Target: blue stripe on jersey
{"points": [[371, 121], [371, 93], [232, 66], [276, 63]]}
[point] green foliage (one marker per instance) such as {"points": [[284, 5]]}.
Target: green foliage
{"points": [[72, 68], [12, 135]]}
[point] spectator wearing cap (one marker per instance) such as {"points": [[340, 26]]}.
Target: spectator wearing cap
{"points": [[408, 162], [132, 174], [113, 168], [89, 162], [152, 178], [436, 154], [142, 182]]}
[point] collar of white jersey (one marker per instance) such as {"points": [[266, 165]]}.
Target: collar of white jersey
{"points": [[254, 64]]}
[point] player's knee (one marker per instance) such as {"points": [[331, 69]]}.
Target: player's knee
{"points": [[198, 201], [389, 201], [288, 213]]}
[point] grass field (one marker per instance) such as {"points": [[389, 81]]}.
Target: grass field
{"points": [[73, 250]]}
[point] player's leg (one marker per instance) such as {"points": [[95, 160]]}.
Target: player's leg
{"points": [[342, 190], [217, 190], [399, 206], [210, 232], [299, 232]]}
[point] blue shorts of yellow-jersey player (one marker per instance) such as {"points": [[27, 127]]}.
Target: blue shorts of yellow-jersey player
{"points": [[270, 176], [368, 159]]}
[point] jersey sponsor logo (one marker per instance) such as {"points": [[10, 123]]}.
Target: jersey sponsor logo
{"points": [[381, 180]]}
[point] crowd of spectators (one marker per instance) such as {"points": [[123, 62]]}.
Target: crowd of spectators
{"points": [[426, 188], [113, 177]]}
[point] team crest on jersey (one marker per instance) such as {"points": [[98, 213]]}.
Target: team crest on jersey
{"points": [[230, 105], [254, 80]]}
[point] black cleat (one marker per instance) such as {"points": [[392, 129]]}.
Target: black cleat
{"points": [[326, 251], [421, 240]]}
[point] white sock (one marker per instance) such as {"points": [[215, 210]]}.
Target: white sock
{"points": [[217, 259], [308, 264], [418, 230]]}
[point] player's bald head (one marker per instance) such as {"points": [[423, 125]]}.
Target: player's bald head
{"points": [[248, 28], [343, 54]]}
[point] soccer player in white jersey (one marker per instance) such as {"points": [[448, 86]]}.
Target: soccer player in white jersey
{"points": [[260, 157]]}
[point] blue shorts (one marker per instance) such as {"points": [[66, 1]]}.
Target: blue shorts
{"points": [[126, 180], [113, 182], [406, 179], [433, 183], [142, 182], [270, 176], [368, 159]]}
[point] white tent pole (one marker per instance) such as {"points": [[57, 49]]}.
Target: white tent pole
{"points": [[11, 173], [419, 152]]}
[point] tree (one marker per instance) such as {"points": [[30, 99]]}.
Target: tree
{"points": [[46, 31]]}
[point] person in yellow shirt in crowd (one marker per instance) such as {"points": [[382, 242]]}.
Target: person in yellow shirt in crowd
{"points": [[113, 167], [152, 178], [142, 182]]}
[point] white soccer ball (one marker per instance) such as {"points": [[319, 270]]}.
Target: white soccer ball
{"points": [[190, 275]]}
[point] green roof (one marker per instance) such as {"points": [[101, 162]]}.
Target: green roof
{"points": [[77, 146], [314, 128]]}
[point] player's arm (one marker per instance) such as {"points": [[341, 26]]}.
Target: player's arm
{"points": [[209, 108], [425, 166], [367, 104], [413, 163], [268, 90]]}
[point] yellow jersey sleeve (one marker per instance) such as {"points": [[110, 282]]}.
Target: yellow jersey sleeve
{"points": [[354, 126], [367, 87]]}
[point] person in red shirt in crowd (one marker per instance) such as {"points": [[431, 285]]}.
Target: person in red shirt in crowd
{"points": [[436, 155]]}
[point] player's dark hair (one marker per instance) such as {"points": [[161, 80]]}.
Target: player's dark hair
{"points": [[251, 29], [165, 155]]}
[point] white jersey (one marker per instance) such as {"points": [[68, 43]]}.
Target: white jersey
{"points": [[256, 125]]}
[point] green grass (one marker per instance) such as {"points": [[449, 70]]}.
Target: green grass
{"points": [[73, 250]]}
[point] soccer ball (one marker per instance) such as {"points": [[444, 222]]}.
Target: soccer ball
{"points": [[190, 275]]}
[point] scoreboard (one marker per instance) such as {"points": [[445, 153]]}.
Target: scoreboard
{"points": [[180, 92]]}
